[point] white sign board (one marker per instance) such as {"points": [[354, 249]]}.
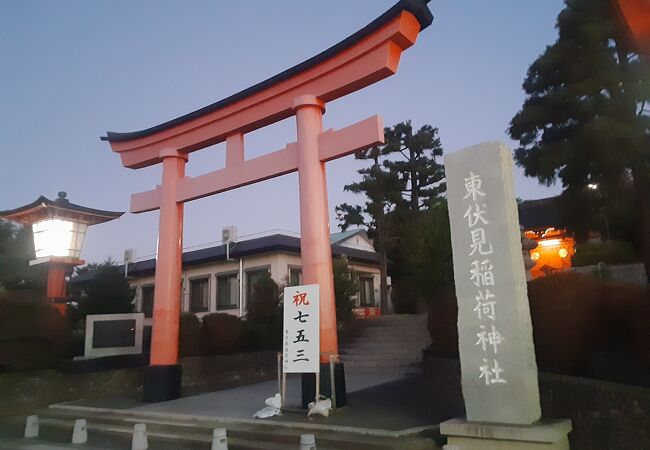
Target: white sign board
{"points": [[301, 350]]}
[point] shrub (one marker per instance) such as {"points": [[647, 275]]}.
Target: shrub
{"points": [[32, 332], [565, 317], [263, 305], [191, 340], [575, 318], [106, 292], [344, 289], [264, 316], [406, 294], [608, 252], [223, 332], [442, 323], [625, 313]]}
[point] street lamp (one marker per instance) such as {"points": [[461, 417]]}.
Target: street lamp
{"points": [[59, 228]]}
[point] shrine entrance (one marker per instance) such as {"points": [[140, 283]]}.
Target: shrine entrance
{"points": [[303, 91]]}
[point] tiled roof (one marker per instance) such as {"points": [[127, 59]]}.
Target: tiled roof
{"points": [[335, 238], [266, 244]]}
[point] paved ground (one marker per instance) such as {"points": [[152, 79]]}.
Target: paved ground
{"points": [[375, 400]]}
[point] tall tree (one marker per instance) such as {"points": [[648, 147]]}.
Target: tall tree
{"points": [[403, 180], [107, 291], [584, 119], [412, 156], [382, 190], [16, 250]]}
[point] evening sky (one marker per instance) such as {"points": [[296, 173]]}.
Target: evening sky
{"points": [[72, 69]]}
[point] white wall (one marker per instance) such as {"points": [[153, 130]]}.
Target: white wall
{"points": [[273, 261], [279, 264]]}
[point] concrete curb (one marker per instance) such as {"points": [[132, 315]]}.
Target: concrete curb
{"points": [[375, 432]]}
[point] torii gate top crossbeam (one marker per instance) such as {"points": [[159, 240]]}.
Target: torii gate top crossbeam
{"points": [[365, 57]]}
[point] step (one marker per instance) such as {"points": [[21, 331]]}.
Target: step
{"points": [[388, 337], [382, 363], [379, 342], [378, 350], [396, 371], [356, 349], [411, 336], [381, 357], [388, 320]]}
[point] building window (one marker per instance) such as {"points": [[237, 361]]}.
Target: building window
{"points": [[366, 291], [252, 278], [147, 300], [227, 291], [199, 295], [295, 276]]}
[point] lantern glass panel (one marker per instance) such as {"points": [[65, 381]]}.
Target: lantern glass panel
{"points": [[58, 237]]}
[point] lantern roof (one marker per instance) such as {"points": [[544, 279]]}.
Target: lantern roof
{"points": [[43, 208]]}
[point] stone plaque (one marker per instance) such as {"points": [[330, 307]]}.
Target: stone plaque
{"points": [[114, 333], [497, 355]]}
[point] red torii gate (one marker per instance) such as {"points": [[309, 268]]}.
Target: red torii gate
{"points": [[365, 57]]}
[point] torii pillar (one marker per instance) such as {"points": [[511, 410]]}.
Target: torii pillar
{"points": [[367, 56], [315, 247], [163, 376]]}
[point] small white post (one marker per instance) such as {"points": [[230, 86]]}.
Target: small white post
{"points": [[317, 394], [307, 442], [284, 390], [80, 432], [219, 439], [31, 427], [279, 361], [139, 440], [332, 381]]}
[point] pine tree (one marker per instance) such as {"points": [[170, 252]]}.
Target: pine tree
{"points": [[585, 121], [412, 156], [383, 192]]}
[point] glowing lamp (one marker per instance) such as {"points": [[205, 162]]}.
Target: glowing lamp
{"points": [[550, 242], [534, 256], [58, 237], [563, 252], [59, 228]]}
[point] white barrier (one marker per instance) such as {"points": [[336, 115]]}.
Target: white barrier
{"points": [[219, 439], [31, 427], [307, 442], [80, 432], [139, 440]]}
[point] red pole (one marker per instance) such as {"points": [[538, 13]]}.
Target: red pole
{"points": [[56, 289], [163, 376], [166, 306], [315, 248]]}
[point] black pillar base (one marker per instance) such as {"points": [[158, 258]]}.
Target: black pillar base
{"points": [[309, 385], [161, 383]]}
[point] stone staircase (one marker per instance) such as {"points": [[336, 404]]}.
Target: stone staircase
{"points": [[381, 344]]}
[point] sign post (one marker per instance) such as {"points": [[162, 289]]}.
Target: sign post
{"points": [[301, 338]]}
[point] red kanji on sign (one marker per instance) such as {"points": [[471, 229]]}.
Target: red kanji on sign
{"points": [[300, 299]]}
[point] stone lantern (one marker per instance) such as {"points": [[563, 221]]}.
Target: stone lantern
{"points": [[59, 228]]}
